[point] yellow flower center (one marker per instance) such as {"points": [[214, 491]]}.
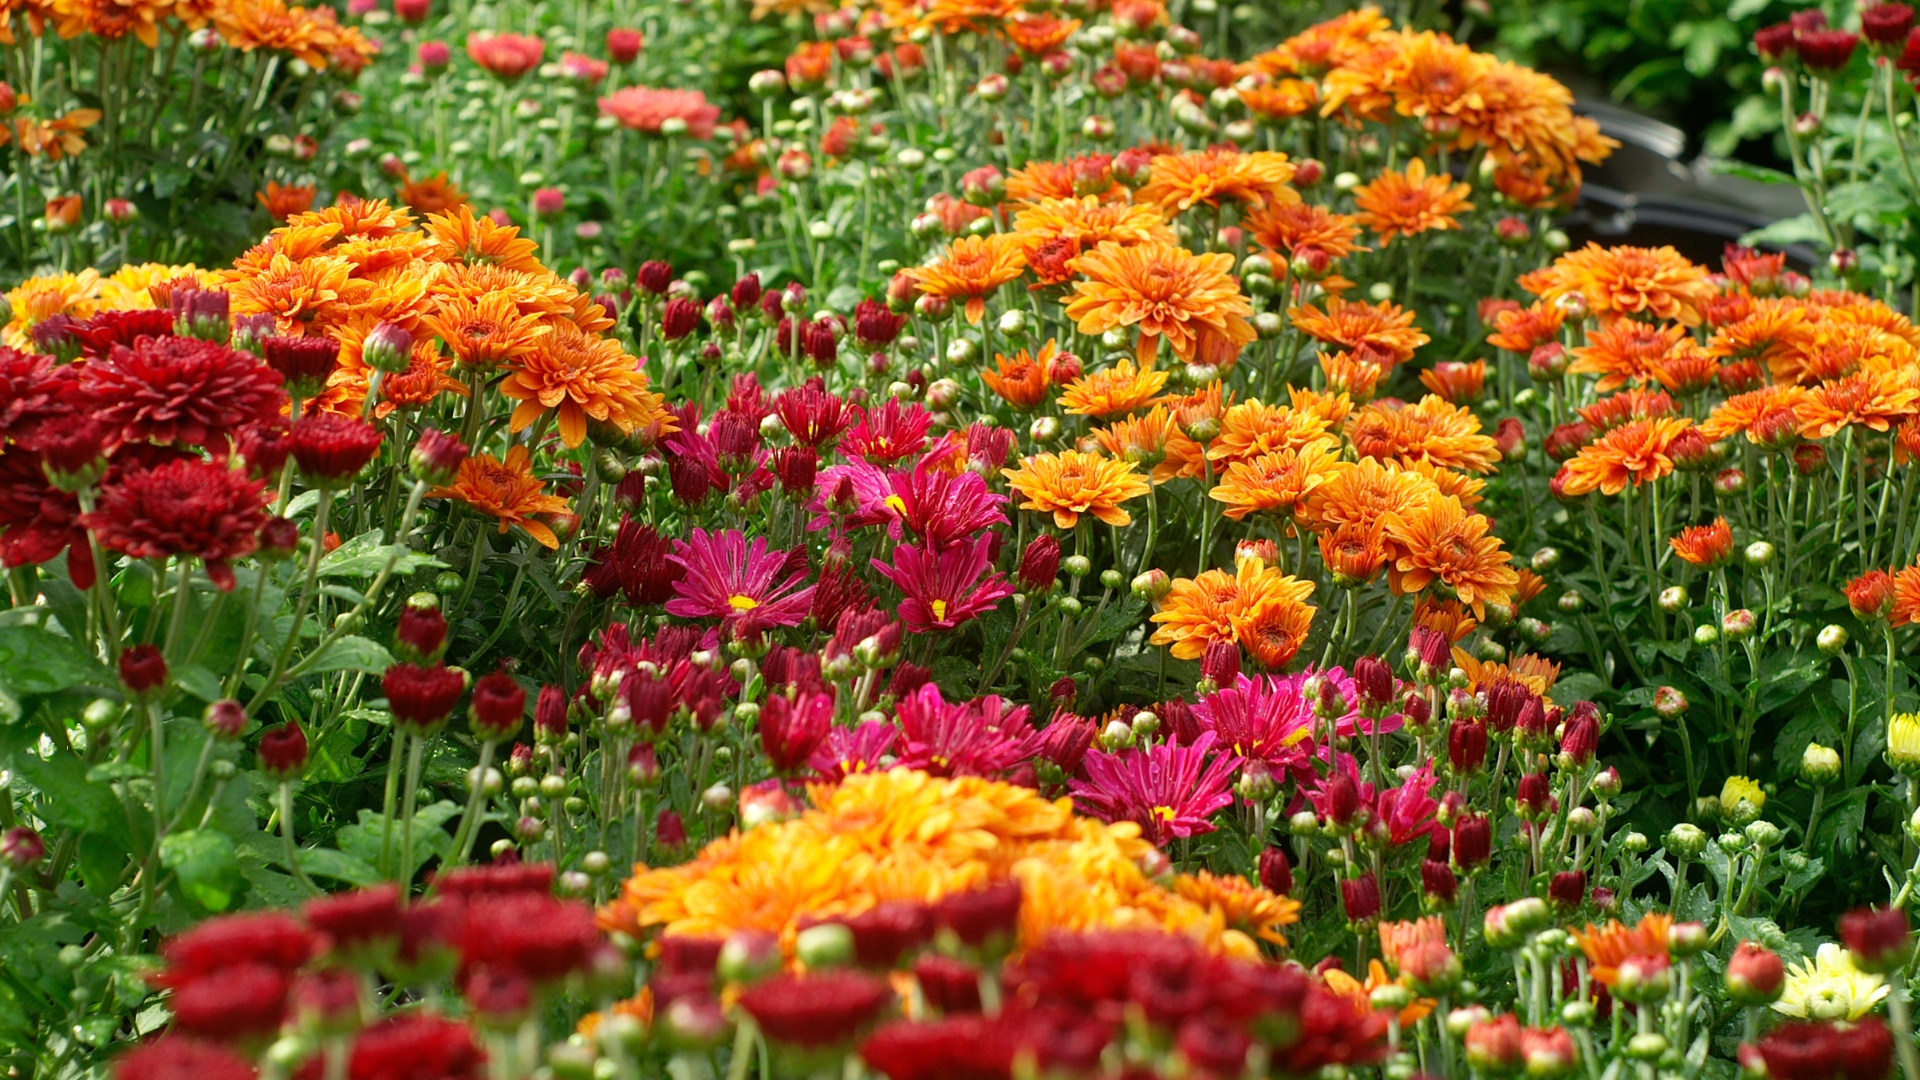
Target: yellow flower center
{"points": [[896, 504], [939, 609], [1164, 813], [743, 603]]}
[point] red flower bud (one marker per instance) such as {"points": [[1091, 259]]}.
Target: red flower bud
{"points": [[498, 707], [421, 698], [143, 670], [282, 753], [331, 448], [1877, 937], [1360, 898], [1755, 975], [1276, 871]]}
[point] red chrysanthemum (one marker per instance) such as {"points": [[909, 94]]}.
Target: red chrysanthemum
{"points": [[197, 508], [248, 1000], [332, 448], [101, 333], [529, 934], [32, 389], [421, 698], [269, 937], [177, 1057], [416, 1046], [37, 519], [182, 391]]}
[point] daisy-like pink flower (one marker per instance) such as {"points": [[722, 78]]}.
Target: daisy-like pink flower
{"points": [[944, 588], [847, 751], [973, 738], [1263, 719], [749, 587], [888, 433], [942, 508], [813, 416], [1170, 791], [867, 487], [1408, 810]]}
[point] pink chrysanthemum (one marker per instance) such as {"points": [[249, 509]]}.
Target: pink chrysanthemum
{"points": [[973, 738], [1408, 810], [749, 587], [847, 751], [888, 433], [942, 507], [944, 588], [1264, 720], [1169, 791]]}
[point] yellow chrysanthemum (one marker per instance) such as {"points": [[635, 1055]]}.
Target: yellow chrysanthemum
{"points": [[1829, 987]]}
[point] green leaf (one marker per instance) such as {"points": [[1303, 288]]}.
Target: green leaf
{"points": [[1757, 173], [1799, 229], [205, 864], [1577, 686], [195, 679], [338, 865], [35, 660], [365, 840], [351, 653], [366, 555]]}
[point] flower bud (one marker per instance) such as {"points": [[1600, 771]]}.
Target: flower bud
{"points": [[1755, 975]]}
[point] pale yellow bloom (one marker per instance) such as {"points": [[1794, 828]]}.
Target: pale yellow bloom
{"points": [[1903, 742], [1829, 987]]}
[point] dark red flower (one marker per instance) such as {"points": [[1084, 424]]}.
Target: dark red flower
{"points": [[1568, 888], [32, 389], [669, 830], [679, 318], [1276, 871], [178, 1057], [143, 669], [436, 458], [304, 363], [1755, 975], [813, 416], [1532, 794], [886, 932], [499, 879], [1472, 840], [197, 508], [682, 954], [816, 1010], [498, 708], [654, 276], [1878, 938], [791, 730], [530, 933], [980, 916], [421, 635], [550, 714], [38, 520], [950, 985], [331, 449], [1580, 736], [1437, 879], [1466, 745], [1360, 898], [1862, 1050], [1886, 24], [357, 918], [874, 327], [282, 753], [271, 938], [421, 698], [181, 391], [1066, 740], [265, 448], [416, 1046], [1213, 1046], [246, 1001], [99, 334], [1774, 43], [1040, 564], [1826, 52]]}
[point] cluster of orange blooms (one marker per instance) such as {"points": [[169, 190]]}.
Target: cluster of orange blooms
{"points": [[476, 301], [1659, 332], [313, 35]]}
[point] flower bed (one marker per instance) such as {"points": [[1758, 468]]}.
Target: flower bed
{"points": [[1079, 541]]}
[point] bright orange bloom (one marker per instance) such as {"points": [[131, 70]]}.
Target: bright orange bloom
{"points": [[285, 200], [1410, 203], [1085, 222], [1276, 482], [1361, 993], [1431, 429], [1906, 596], [1627, 405], [1382, 333], [1531, 585], [1121, 388], [580, 378], [1350, 375], [1037, 35], [1354, 554], [1244, 906], [1705, 546], [1526, 329], [1214, 606], [1624, 351], [1686, 369], [1466, 487], [1073, 483], [1443, 541], [1273, 631], [1757, 413], [480, 241], [1658, 282], [1324, 45], [53, 139], [1148, 441], [649, 109], [1252, 428], [1397, 937], [1282, 100], [434, 195], [1774, 329], [1298, 227], [1020, 380], [1631, 453], [1364, 493], [1874, 400], [975, 266], [1607, 946], [1458, 384], [1445, 617], [1037, 180], [485, 333], [506, 490], [1165, 291], [1181, 181]]}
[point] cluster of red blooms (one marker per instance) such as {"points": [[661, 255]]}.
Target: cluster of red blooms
{"points": [[239, 981], [147, 409]]}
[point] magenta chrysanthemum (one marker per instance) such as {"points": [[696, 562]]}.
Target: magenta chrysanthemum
{"points": [[749, 587], [888, 433], [1169, 791], [944, 588], [942, 507], [1264, 720], [1408, 810], [847, 751], [973, 738]]}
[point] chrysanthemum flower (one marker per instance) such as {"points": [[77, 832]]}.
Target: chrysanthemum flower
{"points": [[1624, 351], [1078, 224], [1020, 380], [1214, 606], [739, 583], [1657, 282], [1705, 546], [1121, 388], [486, 331], [1245, 906], [1523, 330], [38, 520], [643, 108], [942, 507], [1830, 987], [1169, 791], [888, 433], [1631, 453], [1276, 482], [1260, 719], [1281, 100], [967, 738], [1411, 202], [197, 508], [460, 236], [1165, 291], [1296, 227], [1383, 333], [1443, 541], [1325, 45], [1607, 946], [1072, 483], [974, 267], [506, 490], [581, 378], [1208, 177], [1430, 430], [1756, 413], [181, 391], [1354, 554]]}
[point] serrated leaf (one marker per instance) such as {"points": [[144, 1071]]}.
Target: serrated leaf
{"points": [[35, 660], [205, 864], [366, 555], [338, 865], [351, 653]]}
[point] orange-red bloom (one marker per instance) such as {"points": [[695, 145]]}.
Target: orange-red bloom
{"points": [[505, 490], [1705, 546], [1411, 202], [1166, 291], [1633, 453], [975, 266]]}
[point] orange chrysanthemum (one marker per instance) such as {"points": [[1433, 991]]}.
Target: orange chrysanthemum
{"points": [[1213, 607], [1282, 100], [1624, 351], [1275, 483], [1037, 35], [1878, 401], [1273, 631], [1411, 202], [1431, 429], [1444, 617], [1354, 554], [1324, 45], [1149, 440], [506, 490], [1606, 947], [1363, 493], [1761, 414], [1906, 596], [1773, 329], [1182, 181], [1628, 405], [1166, 291], [1121, 388], [1037, 180], [1348, 374], [1633, 453], [1360, 993], [1656, 282], [1252, 428], [1458, 384], [1382, 333], [484, 333], [1086, 222], [1523, 330], [1397, 937], [1443, 541], [1244, 906], [434, 195], [974, 267], [285, 200], [1020, 379], [1073, 483], [1686, 369], [1705, 546], [1295, 228], [481, 241], [581, 378]]}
